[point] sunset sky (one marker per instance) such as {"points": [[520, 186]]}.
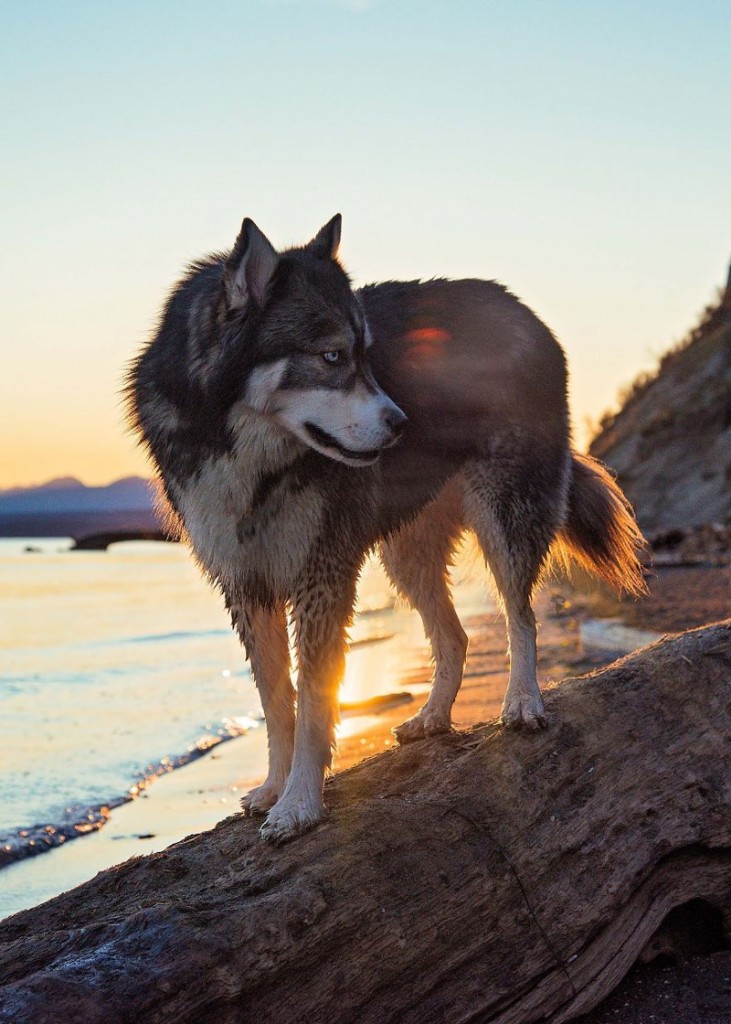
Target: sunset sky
{"points": [[579, 152]]}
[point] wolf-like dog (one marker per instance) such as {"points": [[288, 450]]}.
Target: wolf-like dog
{"points": [[297, 424]]}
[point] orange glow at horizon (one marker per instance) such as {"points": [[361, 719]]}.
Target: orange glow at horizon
{"points": [[32, 460]]}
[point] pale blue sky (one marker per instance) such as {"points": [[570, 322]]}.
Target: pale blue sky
{"points": [[578, 152]]}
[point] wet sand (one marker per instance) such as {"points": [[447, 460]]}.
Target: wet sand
{"points": [[681, 597]]}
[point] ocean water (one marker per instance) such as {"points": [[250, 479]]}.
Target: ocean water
{"points": [[118, 666]]}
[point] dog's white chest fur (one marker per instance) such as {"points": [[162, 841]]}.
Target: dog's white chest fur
{"points": [[237, 541]]}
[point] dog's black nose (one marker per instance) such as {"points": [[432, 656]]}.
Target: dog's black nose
{"points": [[395, 420]]}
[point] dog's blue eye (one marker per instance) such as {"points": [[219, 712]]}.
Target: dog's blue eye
{"points": [[331, 357]]}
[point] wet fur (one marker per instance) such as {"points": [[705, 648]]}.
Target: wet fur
{"points": [[283, 528]]}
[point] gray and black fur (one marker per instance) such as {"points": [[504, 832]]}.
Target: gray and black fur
{"points": [[271, 401]]}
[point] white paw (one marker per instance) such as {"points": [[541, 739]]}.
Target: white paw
{"points": [[259, 800], [524, 711], [424, 723], [290, 818]]}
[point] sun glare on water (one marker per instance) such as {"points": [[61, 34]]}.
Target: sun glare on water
{"points": [[387, 638]]}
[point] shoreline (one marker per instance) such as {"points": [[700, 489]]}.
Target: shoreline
{"points": [[196, 796], [41, 838], [77, 822], [171, 805]]}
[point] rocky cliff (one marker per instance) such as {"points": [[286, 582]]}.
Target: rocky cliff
{"points": [[670, 443]]}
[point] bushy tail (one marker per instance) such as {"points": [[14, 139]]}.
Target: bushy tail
{"points": [[601, 533]]}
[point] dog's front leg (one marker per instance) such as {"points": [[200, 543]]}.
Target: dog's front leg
{"points": [[322, 612], [263, 632]]}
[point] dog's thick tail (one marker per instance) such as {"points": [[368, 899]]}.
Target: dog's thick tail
{"points": [[601, 533]]}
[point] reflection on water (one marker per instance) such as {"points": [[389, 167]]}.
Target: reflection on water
{"points": [[112, 661]]}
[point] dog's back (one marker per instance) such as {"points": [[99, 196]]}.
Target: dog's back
{"points": [[467, 352], [479, 376]]}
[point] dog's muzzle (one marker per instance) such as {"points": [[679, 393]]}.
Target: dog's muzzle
{"points": [[395, 420]]}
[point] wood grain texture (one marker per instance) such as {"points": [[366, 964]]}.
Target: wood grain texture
{"points": [[482, 876]]}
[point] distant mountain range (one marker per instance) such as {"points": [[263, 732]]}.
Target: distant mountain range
{"points": [[60, 483], [67, 494], [67, 508]]}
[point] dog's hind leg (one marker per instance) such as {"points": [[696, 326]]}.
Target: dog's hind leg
{"points": [[516, 507], [263, 632], [416, 559], [322, 609]]}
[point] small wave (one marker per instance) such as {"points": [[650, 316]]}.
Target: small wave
{"points": [[197, 634], [76, 821], [229, 729], [158, 638]]}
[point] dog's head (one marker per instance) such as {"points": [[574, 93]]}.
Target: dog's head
{"points": [[308, 338]]}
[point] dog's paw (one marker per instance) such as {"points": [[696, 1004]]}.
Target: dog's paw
{"points": [[259, 800], [525, 711], [289, 819], [424, 723]]}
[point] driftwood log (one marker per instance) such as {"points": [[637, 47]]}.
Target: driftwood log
{"points": [[475, 877]]}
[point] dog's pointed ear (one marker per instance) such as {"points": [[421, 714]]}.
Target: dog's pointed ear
{"points": [[327, 240], [250, 266]]}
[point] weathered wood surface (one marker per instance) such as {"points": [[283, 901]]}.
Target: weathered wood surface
{"points": [[476, 877]]}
